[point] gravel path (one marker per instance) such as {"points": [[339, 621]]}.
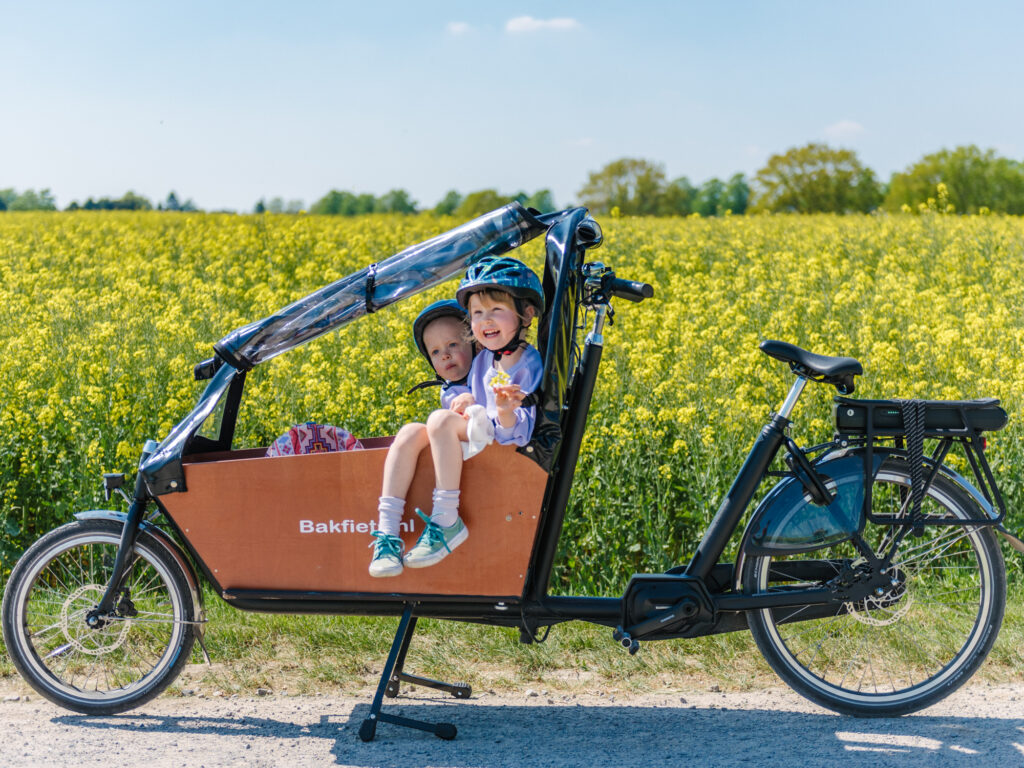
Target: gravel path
{"points": [[979, 725]]}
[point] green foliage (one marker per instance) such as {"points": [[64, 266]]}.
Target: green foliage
{"points": [[973, 179], [638, 188], [677, 198], [542, 200], [633, 186], [709, 200], [716, 198], [172, 203], [816, 179], [29, 200], [342, 203], [449, 203], [396, 201], [478, 203], [128, 202], [278, 205], [737, 195]]}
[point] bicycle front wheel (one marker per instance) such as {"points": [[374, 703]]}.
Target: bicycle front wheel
{"points": [[902, 651], [137, 651]]}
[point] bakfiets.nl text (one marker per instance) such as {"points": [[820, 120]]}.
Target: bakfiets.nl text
{"points": [[347, 526]]}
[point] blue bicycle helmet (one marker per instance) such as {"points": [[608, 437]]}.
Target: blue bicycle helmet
{"points": [[443, 308], [505, 274]]}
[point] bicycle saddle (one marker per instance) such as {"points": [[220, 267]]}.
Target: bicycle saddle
{"points": [[838, 371]]}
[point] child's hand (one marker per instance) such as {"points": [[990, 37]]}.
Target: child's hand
{"points": [[461, 403], [508, 397]]}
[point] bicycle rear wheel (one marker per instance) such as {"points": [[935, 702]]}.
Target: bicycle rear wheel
{"points": [[902, 651], [139, 649]]}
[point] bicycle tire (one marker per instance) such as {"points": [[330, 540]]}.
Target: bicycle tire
{"points": [[904, 651], [127, 662]]}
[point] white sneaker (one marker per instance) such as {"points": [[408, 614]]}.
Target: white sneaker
{"points": [[387, 555]]}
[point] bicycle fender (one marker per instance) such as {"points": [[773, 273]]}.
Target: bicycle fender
{"points": [[169, 545], [788, 521]]}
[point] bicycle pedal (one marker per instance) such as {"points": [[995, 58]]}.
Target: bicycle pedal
{"points": [[623, 638]]}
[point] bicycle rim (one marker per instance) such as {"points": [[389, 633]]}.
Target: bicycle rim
{"points": [[130, 656], [904, 650]]}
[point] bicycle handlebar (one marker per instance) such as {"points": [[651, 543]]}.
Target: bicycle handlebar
{"points": [[632, 290]]}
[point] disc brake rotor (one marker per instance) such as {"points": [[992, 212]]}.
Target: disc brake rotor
{"points": [[884, 610], [72, 623]]}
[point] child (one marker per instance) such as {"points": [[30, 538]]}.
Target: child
{"points": [[441, 335], [502, 297]]}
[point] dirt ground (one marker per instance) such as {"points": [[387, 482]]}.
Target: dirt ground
{"points": [[982, 724]]}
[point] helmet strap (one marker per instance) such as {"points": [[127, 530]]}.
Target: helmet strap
{"points": [[518, 341], [437, 381], [513, 345]]}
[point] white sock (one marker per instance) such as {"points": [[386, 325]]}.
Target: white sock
{"points": [[390, 510], [446, 507]]}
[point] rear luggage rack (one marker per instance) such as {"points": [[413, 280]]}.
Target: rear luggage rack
{"points": [[908, 423]]}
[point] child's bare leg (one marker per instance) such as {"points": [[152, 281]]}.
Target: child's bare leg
{"points": [[400, 464], [399, 468], [445, 529], [446, 430]]}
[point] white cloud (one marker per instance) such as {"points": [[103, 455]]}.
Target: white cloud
{"points": [[843, 130], [457, 28], [530, 24], [584, 142]]}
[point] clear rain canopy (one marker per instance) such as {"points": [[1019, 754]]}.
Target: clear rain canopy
{"points": [[415, 269], [406, 273]]}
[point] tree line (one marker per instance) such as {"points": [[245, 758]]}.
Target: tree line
{"points": [[30, 200], [814, 178], [341, 203]]}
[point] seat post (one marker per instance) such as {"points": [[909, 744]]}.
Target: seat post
{"points": [[793, 396]]}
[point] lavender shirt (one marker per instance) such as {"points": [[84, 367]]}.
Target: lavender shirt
{"points": [[526, 373], [450, 391]]}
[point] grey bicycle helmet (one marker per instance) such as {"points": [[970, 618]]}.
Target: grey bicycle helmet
{"points": [[443, 308]]}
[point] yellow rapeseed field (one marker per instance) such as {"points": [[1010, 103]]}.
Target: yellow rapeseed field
{"points": [[102, 316]]}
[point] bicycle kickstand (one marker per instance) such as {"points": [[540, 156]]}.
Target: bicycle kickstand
{"points": [[391, 678]]}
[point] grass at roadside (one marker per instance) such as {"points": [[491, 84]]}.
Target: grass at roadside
{"points": [[313, 654]]}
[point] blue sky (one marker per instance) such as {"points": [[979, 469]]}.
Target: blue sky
{"points": [[227, 103]]}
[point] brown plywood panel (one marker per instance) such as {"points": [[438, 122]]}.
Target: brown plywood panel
{"points": [[304, 522]]}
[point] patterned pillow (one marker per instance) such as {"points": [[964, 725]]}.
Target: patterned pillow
{"points": [[313, 438]]}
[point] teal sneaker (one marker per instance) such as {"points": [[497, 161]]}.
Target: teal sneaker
{"points": [[387, 555], [436, 543]]}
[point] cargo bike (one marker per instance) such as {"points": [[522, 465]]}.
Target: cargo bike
{"points": [[869, 575]]}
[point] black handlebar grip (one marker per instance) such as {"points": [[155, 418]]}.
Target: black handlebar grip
{"points": [[632, 290]]}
